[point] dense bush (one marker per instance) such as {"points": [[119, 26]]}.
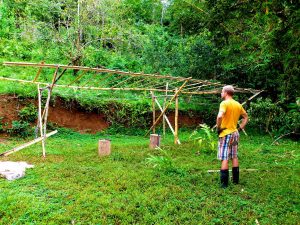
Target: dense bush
{"points": [[28, 113], [20, 129], [273, 118]]}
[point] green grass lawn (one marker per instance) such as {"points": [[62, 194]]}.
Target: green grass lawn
{"points": [[75, 186]]}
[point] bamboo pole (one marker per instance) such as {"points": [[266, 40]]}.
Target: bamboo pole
{"points": [[197, 87], [40, 119], [253, 96], [153, 112], [137, 82], [46, 117], [105, 77], [117, 89], [91, 78], [167, 120], [125, 73], [114, 80], [164, 120], [93, 69], [85, 88], [38, 73], [176, 120], [193, 84], [169, 103], [151, 83], [122, 82], [78, 77], [27, 144], [54, 78]]}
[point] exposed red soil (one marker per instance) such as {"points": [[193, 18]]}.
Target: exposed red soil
{"points": [[73, 117], [78, 120]]}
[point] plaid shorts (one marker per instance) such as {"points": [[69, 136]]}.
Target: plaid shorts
{"points": [[228, 146]]}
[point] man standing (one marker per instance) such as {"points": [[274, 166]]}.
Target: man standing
{"points": [[229, 113]]}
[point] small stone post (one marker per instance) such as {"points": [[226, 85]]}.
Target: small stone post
{"points": [[154, 141], [104, 147]]}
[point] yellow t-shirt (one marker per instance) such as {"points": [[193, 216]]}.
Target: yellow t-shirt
{"points": [[232, 112]]}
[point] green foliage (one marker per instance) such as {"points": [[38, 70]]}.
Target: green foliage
{"points": [[164, 162], [28, 113], [271, 117], [250, 43], [207, 144], [20, 129]]}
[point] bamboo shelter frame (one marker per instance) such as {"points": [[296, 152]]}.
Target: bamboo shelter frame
{"points": [[117, 80]]}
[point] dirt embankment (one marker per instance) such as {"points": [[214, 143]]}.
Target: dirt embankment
{"points": [[72, 116]]}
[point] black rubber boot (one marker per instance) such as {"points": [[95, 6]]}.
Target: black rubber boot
{"points": [[224, 175], [235, 175]]}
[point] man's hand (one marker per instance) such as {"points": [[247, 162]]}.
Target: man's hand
{"points": [[219, 130]]}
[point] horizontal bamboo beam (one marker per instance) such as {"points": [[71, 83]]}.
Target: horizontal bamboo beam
{"points": [[113, 89], [92, 69], [84, 87]]}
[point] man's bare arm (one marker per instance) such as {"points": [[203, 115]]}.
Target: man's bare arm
{"points": [[219, 119], [244, 121]]}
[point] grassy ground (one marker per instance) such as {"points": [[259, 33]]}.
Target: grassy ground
{"points": [[75, 186]]}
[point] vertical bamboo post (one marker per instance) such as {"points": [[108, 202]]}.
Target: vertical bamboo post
{"points": [[167, 120], [153, 109], [164, 120], [45, 117], [176, 120], [167, 106], [40, 119]]}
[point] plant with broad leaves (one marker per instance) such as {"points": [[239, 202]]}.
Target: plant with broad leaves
{"points": [[204, 138]]}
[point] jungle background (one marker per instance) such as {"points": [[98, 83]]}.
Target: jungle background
{"points": [[251, 44]]}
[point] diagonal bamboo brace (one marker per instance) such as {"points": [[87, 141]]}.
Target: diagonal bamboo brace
{"points": [[169, 103]]}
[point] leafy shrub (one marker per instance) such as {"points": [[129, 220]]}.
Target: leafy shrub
{"points": [[207, 143], [272, 118], [28, 113], [20, 128], [164, 163]]}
